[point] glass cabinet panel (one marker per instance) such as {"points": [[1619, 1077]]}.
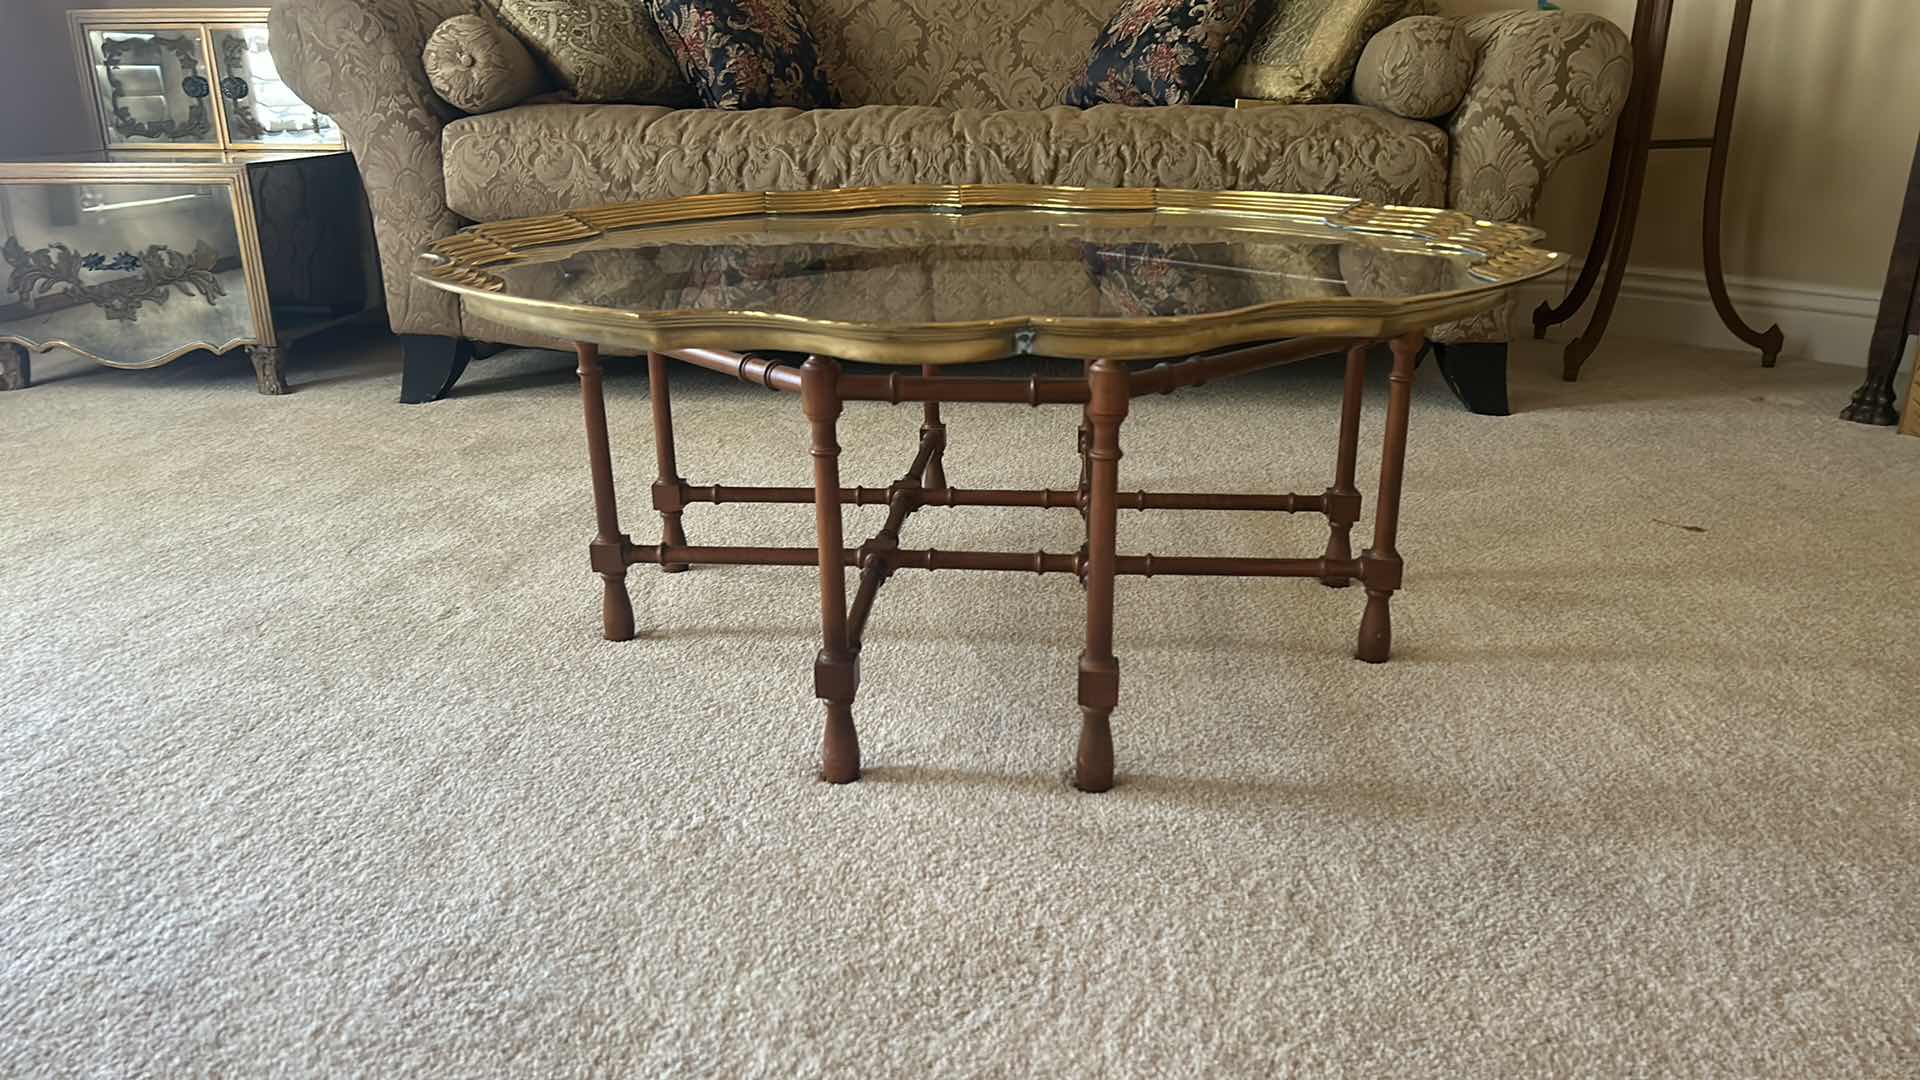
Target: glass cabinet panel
{"points": [[131, 274], [260, 109], [154, 86]]}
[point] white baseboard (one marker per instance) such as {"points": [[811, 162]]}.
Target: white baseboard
{"points": [[1822, 324]]}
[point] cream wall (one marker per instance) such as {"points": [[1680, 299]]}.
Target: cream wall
{"points": [[1829, 113]]}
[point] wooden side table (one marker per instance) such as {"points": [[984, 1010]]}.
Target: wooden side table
{"points": [[1899, 320], [1626, 178], [136, 260]]}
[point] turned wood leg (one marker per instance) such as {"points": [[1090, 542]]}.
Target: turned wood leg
{"points": [[1099, 669], [1380, 564], [666, 489], [936, 474], [268, 376], [16, 367], [608, 552], [836, 671], [1343, 499]]}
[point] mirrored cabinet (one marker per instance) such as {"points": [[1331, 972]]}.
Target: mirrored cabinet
{"points": [[191, 79]]}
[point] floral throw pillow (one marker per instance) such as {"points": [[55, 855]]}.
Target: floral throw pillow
{"points": [[745, 54], [1164, 52]]}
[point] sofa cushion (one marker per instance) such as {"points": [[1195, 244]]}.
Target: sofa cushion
{"points": [[1308, 49], [601, 50], [745, 54], [543, 159], [1163, 52]]}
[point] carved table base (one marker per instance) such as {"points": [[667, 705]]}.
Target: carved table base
{"points": [[1105, 392]]}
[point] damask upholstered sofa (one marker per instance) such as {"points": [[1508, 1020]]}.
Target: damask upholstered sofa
{"points": [[950, 92]]}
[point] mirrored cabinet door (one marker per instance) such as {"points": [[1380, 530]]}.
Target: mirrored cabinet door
{"points": [[154, 86], [261, 110], [131, 274]]}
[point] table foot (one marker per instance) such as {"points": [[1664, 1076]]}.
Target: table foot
{"points": [[840, 745], [1093, 764], [1872, 404], [16, 367], [1376, 629], [616, 608]]}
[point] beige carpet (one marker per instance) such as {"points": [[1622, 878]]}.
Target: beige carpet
{"points": [[312, 761]]}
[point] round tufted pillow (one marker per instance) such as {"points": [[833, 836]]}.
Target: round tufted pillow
{"points": [[1418, 68], [478, 66]]}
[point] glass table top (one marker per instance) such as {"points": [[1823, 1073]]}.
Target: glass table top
{"points": [[956, 274]]}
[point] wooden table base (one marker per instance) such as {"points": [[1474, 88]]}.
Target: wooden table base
{"points": [[1105, 391]]}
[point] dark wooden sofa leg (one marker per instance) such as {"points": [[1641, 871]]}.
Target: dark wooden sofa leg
{"points": [[433, 365], [1477, 375]]}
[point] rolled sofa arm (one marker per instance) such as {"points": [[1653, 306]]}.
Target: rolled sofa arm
{"points": [[358, 61], [1546, 86]]}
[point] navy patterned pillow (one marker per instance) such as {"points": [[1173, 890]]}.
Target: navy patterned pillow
{"points": [[745, 54], [1164, 52]]}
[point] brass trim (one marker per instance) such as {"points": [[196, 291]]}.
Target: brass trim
{"points": [[32, 345], [1503, 255]]}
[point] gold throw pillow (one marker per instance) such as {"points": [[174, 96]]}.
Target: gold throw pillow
{"points": [[1307, 51], [600, 50]]}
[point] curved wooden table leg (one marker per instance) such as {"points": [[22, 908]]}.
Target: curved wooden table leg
{"points": [[1099, 669], [608, 552], [1770, 341], [1340, 529], [666, 489], [836, 672], [1380, 566], [1650, 62], [1547, 315]]}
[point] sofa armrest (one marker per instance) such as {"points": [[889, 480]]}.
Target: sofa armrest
{"points": [[358, 61], [1546, 85]]}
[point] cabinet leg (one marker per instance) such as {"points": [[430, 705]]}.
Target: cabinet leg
{"points": [[268, 374], [16, 367]]}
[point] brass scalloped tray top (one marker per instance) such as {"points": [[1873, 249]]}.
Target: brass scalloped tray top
{"points": [[940, 275]]}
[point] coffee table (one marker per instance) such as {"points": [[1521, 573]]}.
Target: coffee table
{"points": [[781, 289]]}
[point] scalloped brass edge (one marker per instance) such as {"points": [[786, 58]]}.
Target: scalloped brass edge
{"points": [[34, 345], [1502, 255]]}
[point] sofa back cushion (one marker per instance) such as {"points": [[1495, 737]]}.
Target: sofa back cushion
{"points": [[979, 54]]}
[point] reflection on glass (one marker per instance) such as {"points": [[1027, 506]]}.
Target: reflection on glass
{"points": [[153, 85], [259, 107], [942, 266], [127, 273]]}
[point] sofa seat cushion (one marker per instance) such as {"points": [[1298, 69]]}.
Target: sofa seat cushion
{"points": [[543, 159]]}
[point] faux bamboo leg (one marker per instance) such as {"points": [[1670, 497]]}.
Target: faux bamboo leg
{"points": [[666, 489], [1340, 542], [1099, 670], [608, 551], [936, 474], [836, 674], [1380, 564]]}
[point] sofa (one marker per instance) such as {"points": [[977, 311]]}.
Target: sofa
{"points": [[948, 92]]}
